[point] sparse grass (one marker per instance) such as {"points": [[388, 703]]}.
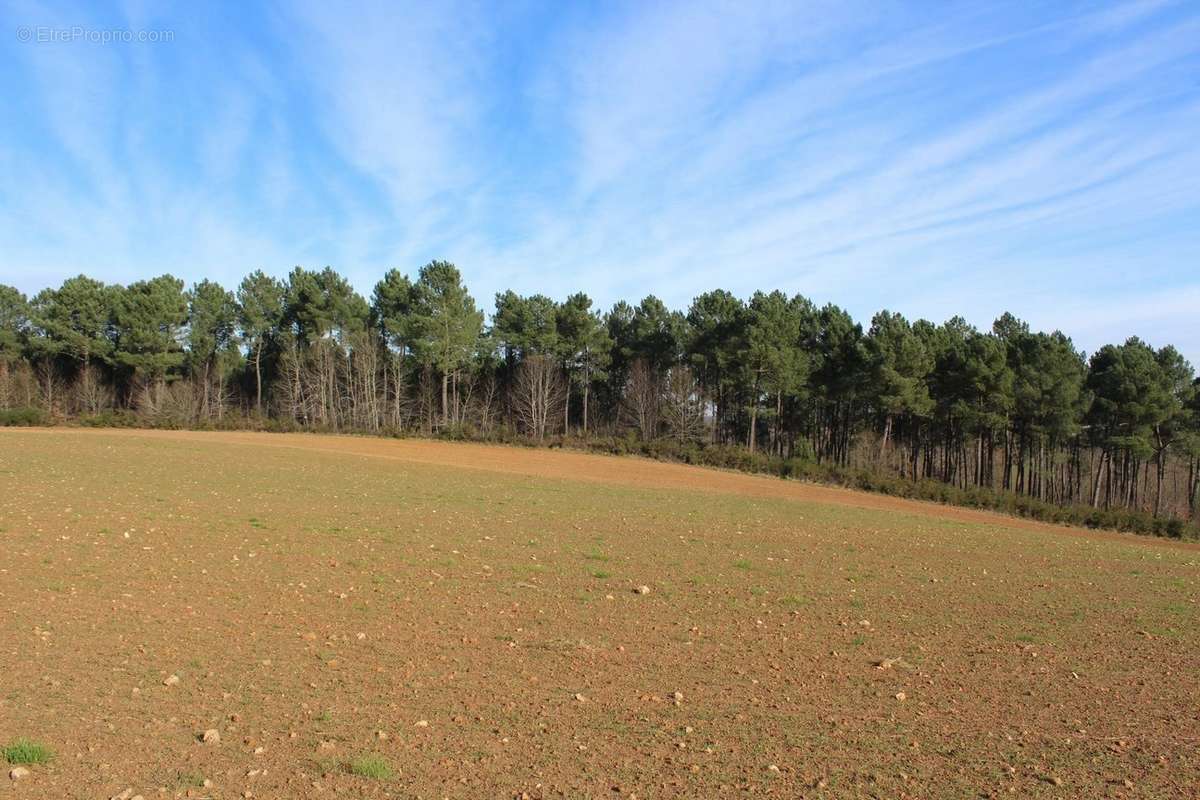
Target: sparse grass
{"points": [[371, 766], [599, 573], [189, 780], [1027, 638], [741, 563], [27, 751]]}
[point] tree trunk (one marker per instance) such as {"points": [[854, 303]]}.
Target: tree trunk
{"points": [[1096, 484], [753, 417], [258, 378], [778, 444], [1192, 485], [753, 426], [585, 408], [445, 399]]}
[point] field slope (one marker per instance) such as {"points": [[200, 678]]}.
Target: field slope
{"points": [[378, 618]]}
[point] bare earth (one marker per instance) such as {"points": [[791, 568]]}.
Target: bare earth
{"points": [[468, 615]]}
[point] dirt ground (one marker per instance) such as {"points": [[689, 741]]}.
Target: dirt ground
{"points": [[468, 616]]}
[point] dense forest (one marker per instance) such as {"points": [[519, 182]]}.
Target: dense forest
{"points": [[776, 379]]}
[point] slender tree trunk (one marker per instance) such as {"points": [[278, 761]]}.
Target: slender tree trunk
{"points": [[445, 399], [258, 378], [1096, 484], [979, 459], [778, 443], [1192, 485], [585, 408], [753, 418], [1158, 482]]}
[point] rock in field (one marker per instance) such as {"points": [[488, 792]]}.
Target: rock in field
{"points": [[211, 736], [16, 773]]}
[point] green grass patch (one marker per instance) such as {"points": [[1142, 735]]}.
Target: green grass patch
{"points": [[599, 573], [371, 766], [27, 751], [742, 563], [189, 780]]}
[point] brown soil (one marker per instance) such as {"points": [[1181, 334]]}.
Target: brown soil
{"points": [[476, 606]]}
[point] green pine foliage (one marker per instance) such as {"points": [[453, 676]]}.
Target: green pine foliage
{"points": [[1008, 418]]}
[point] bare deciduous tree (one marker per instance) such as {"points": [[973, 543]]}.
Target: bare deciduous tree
{"points": [[643, 398], [539, 394], [683, 405]]}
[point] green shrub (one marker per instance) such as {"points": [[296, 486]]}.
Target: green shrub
{"points": [[29, 416], [111, 419]]}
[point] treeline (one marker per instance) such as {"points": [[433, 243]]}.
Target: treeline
{"points": [[773, 380]]}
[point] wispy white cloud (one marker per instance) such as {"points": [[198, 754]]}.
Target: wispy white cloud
{"points": [[972, 160]]}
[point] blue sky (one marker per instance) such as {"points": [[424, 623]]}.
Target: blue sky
{"points": [[934, 158]]}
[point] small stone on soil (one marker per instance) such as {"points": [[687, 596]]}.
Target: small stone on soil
{"points": [[211, 736], [16, 773], [643, 589]]}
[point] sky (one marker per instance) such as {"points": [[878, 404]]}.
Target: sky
{"points": [[932, 158]]}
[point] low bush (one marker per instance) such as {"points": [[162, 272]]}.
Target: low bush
{"points": [[23, 417]]}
